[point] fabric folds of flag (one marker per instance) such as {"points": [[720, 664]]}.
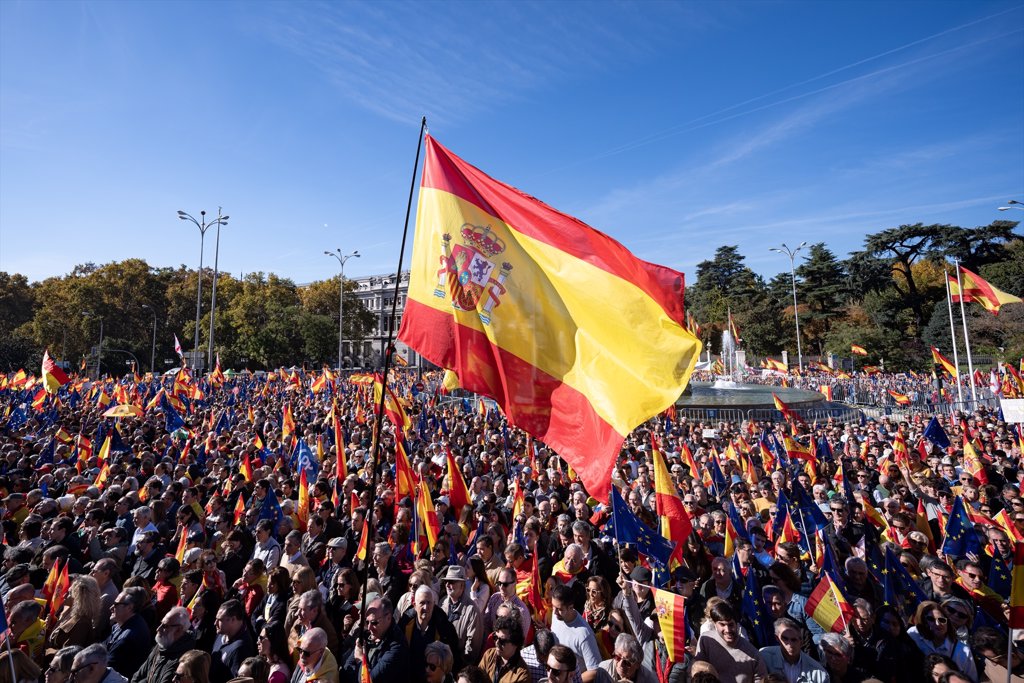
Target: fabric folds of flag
{"points": [[531, 307], [671, 608], [675, 522], [1017, 588], [975, 288], [828, 606], [961, 538], [53, 377], [629, 529], [858, 350], [947, 365], [901, 399]]}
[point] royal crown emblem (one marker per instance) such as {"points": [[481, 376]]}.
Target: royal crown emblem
{"points": [[467, 273]]}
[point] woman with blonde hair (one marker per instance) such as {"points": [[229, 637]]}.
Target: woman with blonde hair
{"points": [[78, 619], [193, 667]]}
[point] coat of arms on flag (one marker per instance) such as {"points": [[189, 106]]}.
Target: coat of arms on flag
{"points": [[467, 268]]}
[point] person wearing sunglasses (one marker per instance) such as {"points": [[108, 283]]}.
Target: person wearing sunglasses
{"points": [[316, 661], [503, 663], [90, 666], [233, 643], [193, 667], [933, 635], [626, 663], [438, 663], [385, 648], [173, 639], [60, 664]]}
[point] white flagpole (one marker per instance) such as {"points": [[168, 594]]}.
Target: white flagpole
{"points": [[952, 336], [967, 339]]}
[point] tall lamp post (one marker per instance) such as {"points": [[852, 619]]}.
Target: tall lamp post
{"points": [[791, 253], [221, 220], [202, 225], [99, 347], [342, 258], [152, 352], [1013, 204]]}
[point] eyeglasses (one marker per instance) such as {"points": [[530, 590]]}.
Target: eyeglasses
{"points": [[432, 667], [75, 672], [308, 653], [614, 626], [554, 671], [941, 621], [594, 591], [372, 622], [973, 575], [625, 661], [506, 583], [501, 642], [958, 614], [118, 603], [838, 510]]}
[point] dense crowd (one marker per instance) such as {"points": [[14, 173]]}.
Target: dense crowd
{"points": [[210, 535]]}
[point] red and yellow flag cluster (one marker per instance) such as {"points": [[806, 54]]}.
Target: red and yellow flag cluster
{"points": [[510, 263]]}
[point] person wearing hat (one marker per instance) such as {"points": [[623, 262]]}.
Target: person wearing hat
{"points": [[462, 612], [334, 562]]}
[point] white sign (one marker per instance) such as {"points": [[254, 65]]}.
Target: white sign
{"points": [[1013, 409]]}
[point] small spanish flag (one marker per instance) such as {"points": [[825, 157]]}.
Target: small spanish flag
{"points": [[1017, 589], [902, 399], [364, 540], [939, 359], [828, 607], [670, 608], [246, 467], [240, 509], [858, 350]]}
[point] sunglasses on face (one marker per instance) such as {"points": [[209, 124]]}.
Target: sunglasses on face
{"points": [[553, 671]]}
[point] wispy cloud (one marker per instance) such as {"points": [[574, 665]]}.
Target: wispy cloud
{"points": [[401, 60]]}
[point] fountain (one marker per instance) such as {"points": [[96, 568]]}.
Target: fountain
{"points": [[733, 375]]}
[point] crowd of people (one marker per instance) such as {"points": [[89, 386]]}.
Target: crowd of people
{"points": [[210, 535]]}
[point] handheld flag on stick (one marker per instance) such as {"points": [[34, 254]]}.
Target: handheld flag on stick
{"points": [[509, 263], [858, 350], [828, 606], [670, 608], [53, 377]]}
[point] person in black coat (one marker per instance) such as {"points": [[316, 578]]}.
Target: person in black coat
{"points": [[422, 624], [386, 649], [130, 639]]}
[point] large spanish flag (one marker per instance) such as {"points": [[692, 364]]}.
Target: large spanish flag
{"points": [[577, 340], [973, 288]]}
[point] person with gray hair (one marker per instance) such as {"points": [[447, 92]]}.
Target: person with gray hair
{"points": [[384, 647], [423, 624], [173, 639], [787, 656], [90, 666], [316, 661], [626, 663], [439, 662], [837, 655], [311, 614]]}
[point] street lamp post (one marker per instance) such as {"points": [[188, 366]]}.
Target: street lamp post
{"points": [[99, 347], [152, 353], [796, 315], [341, 294], [1013, 204], [221, 220], [202, 225]]}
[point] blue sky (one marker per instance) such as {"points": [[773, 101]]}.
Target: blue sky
{"points": [[673, 127]]}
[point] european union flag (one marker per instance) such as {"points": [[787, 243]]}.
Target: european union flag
{"points": [[756, 612], [17, 419], [782, 509], [46, 457], [737, 521], [717, 477], [936, 434], [629, 529], [808, 511], [172, 420], [271, 509], [223, 424], [961, 538], [908, 593], [822, 449], [831, 567], [999, 578]]}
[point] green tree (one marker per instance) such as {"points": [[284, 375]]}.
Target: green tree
{"points": [[977, 247], [822, 291], [903, 246], [16, 302]]}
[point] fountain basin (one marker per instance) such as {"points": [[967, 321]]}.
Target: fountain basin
{"points": [[727, 393]]}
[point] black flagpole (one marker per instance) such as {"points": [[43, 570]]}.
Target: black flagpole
{"points": [[388, 350]]}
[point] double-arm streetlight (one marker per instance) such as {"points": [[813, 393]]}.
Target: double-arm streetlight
{"points": [[152, 352], [342, 258], [1013, 204], [203, 225], [791, 253]]}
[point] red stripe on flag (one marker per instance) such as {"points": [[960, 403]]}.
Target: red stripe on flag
{"points": [[531, 217], [556, 413]]}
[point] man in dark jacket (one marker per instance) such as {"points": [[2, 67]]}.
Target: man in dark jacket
{"points": [[173, 639], [387, 651], [423, 624], [130, 638], [233, 643]]}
